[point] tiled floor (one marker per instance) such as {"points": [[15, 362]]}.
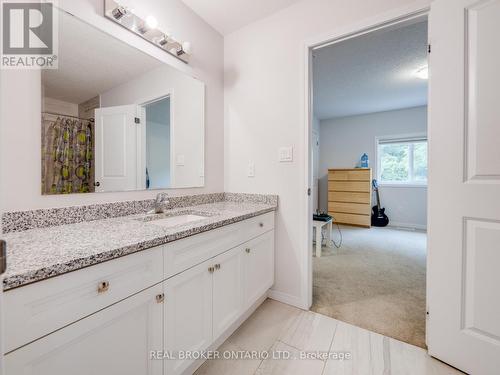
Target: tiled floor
{"points": [[287, 331]]}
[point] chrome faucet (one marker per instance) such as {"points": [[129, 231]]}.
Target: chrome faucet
{"points": [[160, 203]]}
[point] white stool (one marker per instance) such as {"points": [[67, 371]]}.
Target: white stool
{"points": [[318, 226]]}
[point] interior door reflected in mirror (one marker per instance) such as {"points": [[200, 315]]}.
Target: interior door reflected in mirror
{"points": [[116, 119]]}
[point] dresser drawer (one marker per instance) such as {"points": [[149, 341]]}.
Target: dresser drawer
{"points": [[351, 186], [186, 253], [351, 219], [35, 310], [349, 197], [349, 175], [350, 208]]}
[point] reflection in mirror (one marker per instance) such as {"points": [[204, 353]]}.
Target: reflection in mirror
{"points": [[158, 144], [116, 119]]}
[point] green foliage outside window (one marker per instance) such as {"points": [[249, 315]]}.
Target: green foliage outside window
{"points": [[403, 162]]}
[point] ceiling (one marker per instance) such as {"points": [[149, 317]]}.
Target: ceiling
{"points": [[227, 16], [371, 73], [91, 62]]}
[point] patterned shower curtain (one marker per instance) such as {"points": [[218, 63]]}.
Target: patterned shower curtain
{"points": [[67, 154]]}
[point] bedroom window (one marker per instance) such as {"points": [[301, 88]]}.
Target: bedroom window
{"points": [[402, 161]]}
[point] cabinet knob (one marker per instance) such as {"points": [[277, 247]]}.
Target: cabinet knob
{"points": [[217, 266], [160, 298], [261, 225], [103, 286], [211, 269], [247, 250]]}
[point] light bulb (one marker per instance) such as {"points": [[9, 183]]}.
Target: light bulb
{"points": [[422, 73], [151, 22], [186, 47]]}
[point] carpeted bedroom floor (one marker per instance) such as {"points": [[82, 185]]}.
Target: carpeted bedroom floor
{"points": [[376, 280]]}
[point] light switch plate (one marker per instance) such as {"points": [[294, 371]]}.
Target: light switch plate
{"points": [[251, 169], [180, 160], [286, 154]]}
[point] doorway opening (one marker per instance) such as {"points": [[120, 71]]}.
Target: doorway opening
{"points": [[368, 147], [158, 143]]}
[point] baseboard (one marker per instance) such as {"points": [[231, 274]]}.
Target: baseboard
{"points": [[398, 224], [286, 298]]}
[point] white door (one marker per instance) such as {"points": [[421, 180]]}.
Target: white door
{"points": [[116, 340], [258, 263], [188, 314], [464, 185], [117, 149], [227, 290]]}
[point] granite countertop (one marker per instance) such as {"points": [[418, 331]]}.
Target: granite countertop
{"points": [[37, 254]]}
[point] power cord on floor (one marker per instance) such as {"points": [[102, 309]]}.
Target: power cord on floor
{"points": [[339, 244]]}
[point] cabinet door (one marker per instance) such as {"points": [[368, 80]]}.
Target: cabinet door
{"points": [[188, 315], [115, 340], [227, 290], [258, 267]]}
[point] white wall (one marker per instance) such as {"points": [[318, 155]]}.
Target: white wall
{"points": [[20, 106], [264, 100], [344, 140]]}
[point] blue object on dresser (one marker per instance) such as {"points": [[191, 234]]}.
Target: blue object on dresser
{"points": [[364, 161]]}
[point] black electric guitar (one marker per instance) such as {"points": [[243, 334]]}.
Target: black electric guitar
{"points": [[379, 218]]}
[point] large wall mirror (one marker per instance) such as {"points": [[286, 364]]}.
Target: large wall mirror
{"points": [[117, 119]]}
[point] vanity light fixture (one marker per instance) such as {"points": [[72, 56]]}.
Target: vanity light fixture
{"points": [[146, 29], [119, 12]]}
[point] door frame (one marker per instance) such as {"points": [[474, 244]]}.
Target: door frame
{"points": [[418, 9]]}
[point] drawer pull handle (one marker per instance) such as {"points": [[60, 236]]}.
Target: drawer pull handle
{"points": [[247, 250], [160, 298], [103, 287], [211, 269], [217, 267], [261, 225]]}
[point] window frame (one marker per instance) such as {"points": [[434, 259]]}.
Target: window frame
{"points": [[401, 138]]}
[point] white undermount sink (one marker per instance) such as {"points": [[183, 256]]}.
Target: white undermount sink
{"points": [[168, 219], [173, 221]]}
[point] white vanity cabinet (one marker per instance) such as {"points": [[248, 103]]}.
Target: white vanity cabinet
{"points": [[111, 318], [188, 315], [116, 340], [227, 290], [258, 272]]}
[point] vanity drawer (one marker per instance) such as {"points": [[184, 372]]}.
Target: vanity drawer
{"points": [[186, 253], [35, 310]]}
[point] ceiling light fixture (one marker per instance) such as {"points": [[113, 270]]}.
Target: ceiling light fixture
{"points": [[422, 73], [146, 29]]}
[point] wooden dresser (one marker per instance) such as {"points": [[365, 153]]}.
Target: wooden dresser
{"points": [[349, 196]]}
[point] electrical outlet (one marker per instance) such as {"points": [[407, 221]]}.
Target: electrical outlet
{"points": [[251, 169]]}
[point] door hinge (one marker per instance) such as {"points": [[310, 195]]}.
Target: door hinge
{"points": [[428, 48], [137, 120], [309, 191]]}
